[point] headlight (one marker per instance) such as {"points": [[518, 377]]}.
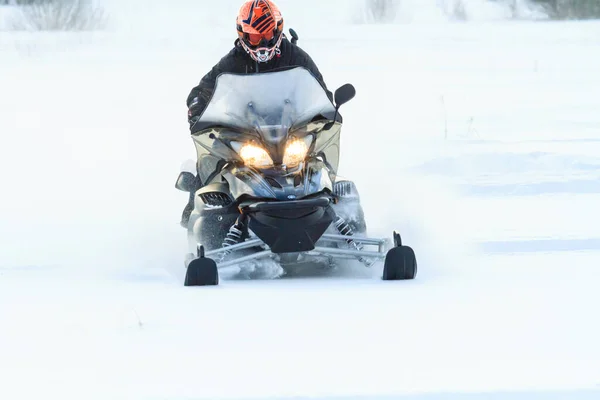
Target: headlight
{"points": [[255, 156], [295, 151]]}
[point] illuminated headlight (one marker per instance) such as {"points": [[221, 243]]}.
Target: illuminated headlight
{"points": [[295, 151], [255, 156]]}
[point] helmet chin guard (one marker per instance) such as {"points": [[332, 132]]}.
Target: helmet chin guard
{"points": [[263, 54]]}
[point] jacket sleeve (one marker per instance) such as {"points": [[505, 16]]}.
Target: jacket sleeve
{"points": [[201, 94]]}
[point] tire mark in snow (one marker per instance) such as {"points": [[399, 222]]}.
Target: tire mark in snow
{"points": [[541, 395], [540, 245], [533, 189]]}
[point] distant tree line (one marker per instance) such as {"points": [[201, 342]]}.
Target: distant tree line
{"points": [[23, 2], [571, 9], [26, 2], [385, 10], [56, 15]]}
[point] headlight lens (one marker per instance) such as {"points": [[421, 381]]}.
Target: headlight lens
{"points": [[255, 156], [295, 151]]}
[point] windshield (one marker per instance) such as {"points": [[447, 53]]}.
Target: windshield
{"points": [[268, 104]]}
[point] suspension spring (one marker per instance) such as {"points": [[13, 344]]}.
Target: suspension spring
{"points": [[233, 237], [345, 229]]}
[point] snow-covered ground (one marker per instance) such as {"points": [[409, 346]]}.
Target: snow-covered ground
{"points": [[480, 142]]}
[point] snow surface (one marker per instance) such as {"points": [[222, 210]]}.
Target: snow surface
{"points": [[480, 142]]}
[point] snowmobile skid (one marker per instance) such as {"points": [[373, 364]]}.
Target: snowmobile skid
{"points": [[267, 156]]}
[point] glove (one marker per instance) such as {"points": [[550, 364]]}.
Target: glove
{"points": [[194, 111]]}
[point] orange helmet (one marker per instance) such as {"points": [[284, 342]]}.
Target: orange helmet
{"points": [[260, 29]]}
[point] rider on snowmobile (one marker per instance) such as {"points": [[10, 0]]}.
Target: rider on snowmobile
{"points": [[261, 46]]}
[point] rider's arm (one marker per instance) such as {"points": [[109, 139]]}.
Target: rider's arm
{"points": [[201, 94]]}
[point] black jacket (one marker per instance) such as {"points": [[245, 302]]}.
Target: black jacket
{"points": [[238, 61]]}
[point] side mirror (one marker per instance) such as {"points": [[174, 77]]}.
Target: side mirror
{"points": [[294, 36], [344, 94], [185, 182]]}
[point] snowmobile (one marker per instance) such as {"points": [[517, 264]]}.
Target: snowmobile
{"points": [[267, 149]]}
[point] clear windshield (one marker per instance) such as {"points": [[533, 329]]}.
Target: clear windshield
{"points": [[269, 104]]}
